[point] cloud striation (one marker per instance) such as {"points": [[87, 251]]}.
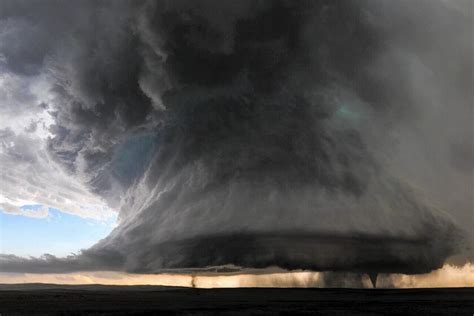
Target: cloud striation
{"points": [[255, 133]]}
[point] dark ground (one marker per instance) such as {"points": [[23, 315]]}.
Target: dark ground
{"points": [[39, 299]]}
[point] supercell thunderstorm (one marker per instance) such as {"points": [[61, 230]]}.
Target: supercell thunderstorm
{"points": [[244, 133]]}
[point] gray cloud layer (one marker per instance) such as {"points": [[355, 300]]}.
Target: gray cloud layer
{"points": [[259, 133]]}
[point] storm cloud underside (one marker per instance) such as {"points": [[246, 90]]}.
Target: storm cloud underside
{"points": [[258, 133]]}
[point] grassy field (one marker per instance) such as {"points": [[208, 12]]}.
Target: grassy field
{"points": [[47, 299]]}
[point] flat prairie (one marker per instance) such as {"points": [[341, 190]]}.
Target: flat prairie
{"points": [[50, 299]]}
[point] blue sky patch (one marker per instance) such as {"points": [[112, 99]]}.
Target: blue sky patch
{"points": [[59, 233]]}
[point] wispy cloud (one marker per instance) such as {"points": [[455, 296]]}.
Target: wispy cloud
{"points": [[37, 212]]}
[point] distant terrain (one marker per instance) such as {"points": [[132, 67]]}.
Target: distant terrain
{"points": [[49, 299]]}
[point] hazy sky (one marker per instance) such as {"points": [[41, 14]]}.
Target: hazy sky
{"points": [[142, 136]]}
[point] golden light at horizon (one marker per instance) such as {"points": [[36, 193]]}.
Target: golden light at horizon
{"points": [[448, 276]]}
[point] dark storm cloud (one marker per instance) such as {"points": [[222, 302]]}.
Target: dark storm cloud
{"points": [[49, 263], [250, 133]]}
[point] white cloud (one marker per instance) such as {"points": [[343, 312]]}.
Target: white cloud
{"points": [[40, 212], [28, 175]]}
